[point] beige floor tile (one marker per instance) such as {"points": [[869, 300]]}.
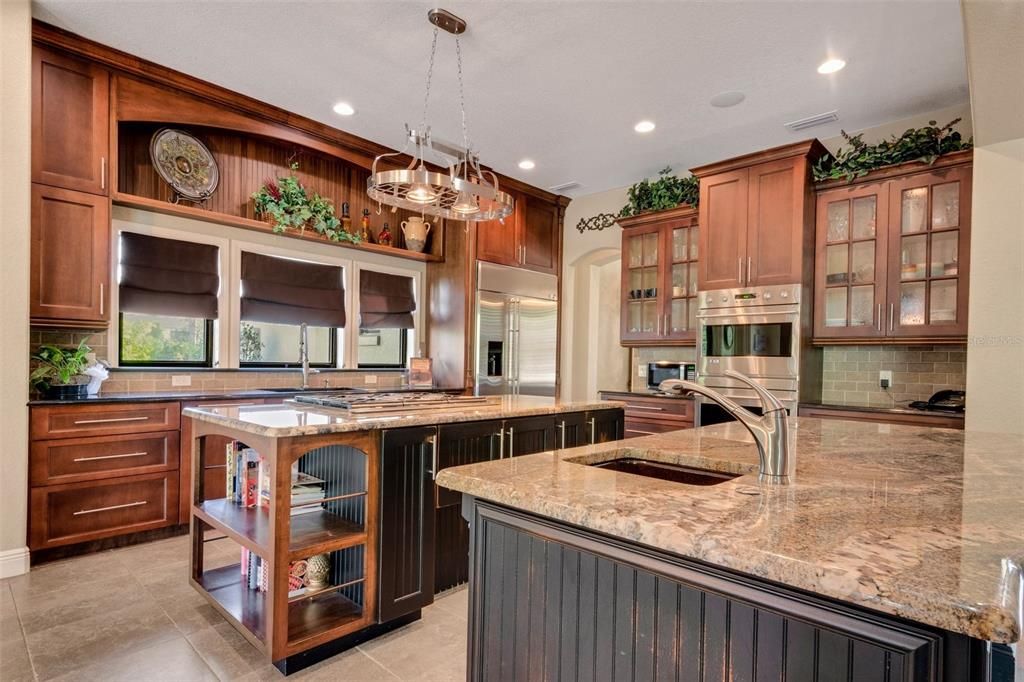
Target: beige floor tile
{"points": [[172, 661], [15, 665], [161, 553], [351, 665], [454, 603], [423, 650], [228, 654], [62, 649], [190, 613], [79, 570], [75, 602]]}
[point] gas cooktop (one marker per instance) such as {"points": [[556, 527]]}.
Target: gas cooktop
{"points": [[373, 403]]}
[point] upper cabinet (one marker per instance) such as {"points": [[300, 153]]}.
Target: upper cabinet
{"points": [[70, 122], [659, 277], [892, 253], [756, 214], [529, 238]]}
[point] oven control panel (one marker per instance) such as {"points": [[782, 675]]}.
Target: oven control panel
{"points": [[787, 294]]}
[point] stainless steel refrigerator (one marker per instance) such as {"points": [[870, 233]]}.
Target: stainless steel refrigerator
{"points": [[516, 331]]}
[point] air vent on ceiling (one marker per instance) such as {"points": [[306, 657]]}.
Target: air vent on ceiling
{"points": [[816, 120], [572, 184]]}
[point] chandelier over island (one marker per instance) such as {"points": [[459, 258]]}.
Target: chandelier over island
{"points": [[467, 191]]}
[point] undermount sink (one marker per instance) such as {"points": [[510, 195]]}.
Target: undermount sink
{"points": [[665, 471]]}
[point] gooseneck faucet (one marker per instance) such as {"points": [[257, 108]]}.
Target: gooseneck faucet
{"points": [[770, 430], [304, 356]]}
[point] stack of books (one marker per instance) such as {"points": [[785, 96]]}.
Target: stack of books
{"points": [[254, 571], [306, 490], [248, 482]]}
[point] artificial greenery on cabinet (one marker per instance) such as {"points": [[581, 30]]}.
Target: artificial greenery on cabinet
{"points": [[668, 191], [288, 205], [923, 145]]}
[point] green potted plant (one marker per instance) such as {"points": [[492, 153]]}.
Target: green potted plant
{"points": [[668, 191], [59, 374], [287, 205]]}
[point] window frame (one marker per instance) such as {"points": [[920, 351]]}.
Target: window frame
{"points": [[169, 364], [404, 353], [330, 364]]}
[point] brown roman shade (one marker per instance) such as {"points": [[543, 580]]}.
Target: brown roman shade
{"points": [[285, 291], [385, 301], [168, 277]]}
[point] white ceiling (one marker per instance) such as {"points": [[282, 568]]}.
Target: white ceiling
{"points": [[560, 82]]}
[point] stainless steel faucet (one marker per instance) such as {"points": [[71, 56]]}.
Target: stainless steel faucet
{"points": [[770, 430], [304, 356]]}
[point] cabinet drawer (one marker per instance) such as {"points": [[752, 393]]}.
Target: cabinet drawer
{"points": [[645, 427], [69, 421], [83, 459], [79, 512], [641, 407]]}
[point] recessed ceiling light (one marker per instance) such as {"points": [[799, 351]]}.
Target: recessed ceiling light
{"points": [[527, 164], [727, 99], [831, 66], [644, 126], [344, 109]]}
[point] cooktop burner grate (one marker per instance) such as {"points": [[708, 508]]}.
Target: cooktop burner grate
{"points": [[371, 403]]}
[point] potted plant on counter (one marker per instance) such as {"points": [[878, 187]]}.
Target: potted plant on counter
{"points": [[60, 371]]}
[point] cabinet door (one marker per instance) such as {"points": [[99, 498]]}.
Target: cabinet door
{"points": [[851, 247], [467, 443], [775, 223], [70, 133], [70, 241], [499, 241], [929, 246], [604, 426], [571, 430], [406, 559], [528, 435], [723, 231], [679, 283], [642, 281], [539, 238]]}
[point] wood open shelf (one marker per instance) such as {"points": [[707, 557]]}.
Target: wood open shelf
{"points": [[225, 586], [248, 526], [320, 614], [320, 533]]}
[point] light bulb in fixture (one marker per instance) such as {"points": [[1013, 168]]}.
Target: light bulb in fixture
{"points": [[831, 66], [527, 164], [344, 109], [421, 193], [644, 126], [464, 204]]}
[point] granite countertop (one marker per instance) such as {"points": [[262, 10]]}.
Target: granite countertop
{"points": [[922, 523], [895, 409], [236, 394], [296, 419]]}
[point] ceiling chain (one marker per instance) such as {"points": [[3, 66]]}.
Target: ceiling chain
{"points": [[462, 96], [430, 74]]}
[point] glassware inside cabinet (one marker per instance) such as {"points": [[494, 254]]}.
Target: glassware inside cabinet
{"points": [[865, 212], [946, 205], [838, 221]]}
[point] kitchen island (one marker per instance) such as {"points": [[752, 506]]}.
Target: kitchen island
{"points": [[350, 497], [895, 555]]}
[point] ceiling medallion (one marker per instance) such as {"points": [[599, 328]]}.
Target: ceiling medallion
{"points": [[466, 191]]}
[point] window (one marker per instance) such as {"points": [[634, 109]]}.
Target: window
{"points": [[265, 344], [153, 340], [383, 348]]}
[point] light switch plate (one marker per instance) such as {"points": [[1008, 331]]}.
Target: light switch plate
{"points": [[885, 375], [370, 379], [181, 380], [641, 370]]}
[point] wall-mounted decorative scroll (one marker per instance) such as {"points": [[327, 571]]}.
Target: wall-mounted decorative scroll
{"points": [[597, 222]]}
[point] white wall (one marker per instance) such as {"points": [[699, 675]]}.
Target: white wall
{"points": [[15, 188], [995, 351]]}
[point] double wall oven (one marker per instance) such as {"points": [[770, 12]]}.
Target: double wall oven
{"points": [[759, 332]]}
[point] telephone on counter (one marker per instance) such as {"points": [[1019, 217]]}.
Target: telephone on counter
{"points": [[943, 401]]}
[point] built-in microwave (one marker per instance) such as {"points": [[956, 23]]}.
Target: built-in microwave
{"points": [[663, 370]]}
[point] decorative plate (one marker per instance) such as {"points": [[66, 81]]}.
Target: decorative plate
{"points": [[184, 163]]}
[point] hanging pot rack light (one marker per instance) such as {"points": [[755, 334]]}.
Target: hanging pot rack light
{"points": [[467, 191]]}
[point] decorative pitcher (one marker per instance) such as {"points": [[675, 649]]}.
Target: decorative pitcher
{"points": [[415, 231]]}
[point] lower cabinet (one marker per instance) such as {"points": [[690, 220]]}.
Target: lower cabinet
{"points": [[587, 428], [406, 556], [550, 601], [648, 414]]}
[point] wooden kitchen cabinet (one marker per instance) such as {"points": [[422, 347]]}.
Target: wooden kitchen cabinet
{"points": [[892, 254], [756, 214], [659, 278], [70, 251], [70, 124], [529, 238], [648, 414]]}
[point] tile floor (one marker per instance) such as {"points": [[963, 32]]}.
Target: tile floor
{"points": [[130, 614]]}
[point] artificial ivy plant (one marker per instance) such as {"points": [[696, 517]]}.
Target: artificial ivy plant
{"points": [[289, 206], [668, 191], [923, 145], [59, 366]]}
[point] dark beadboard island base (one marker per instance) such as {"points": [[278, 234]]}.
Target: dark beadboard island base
{"points": [[552, 601]]}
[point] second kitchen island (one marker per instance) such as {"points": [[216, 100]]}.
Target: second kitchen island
{"points": [[380, 538]]}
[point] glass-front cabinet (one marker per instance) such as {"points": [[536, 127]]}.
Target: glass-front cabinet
{"points": [[891, 255], [659, 278]]}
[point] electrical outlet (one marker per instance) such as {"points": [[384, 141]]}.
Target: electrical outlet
{"points": [[641, 370], [370, 379], [885, 378], [181, 380]]}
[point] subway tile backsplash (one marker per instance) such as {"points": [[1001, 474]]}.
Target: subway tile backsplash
{"points": [[850, 373]]}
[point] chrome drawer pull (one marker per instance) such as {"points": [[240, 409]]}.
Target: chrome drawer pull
{"points": [[111, 420], [116, 506], [93, 459], [644, 407], [203, 407]]}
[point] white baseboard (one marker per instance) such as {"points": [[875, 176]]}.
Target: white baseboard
{"points": [[13, 562]]}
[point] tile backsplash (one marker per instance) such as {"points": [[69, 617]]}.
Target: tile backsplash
{"points": [[128, 380], [850, 373]]}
